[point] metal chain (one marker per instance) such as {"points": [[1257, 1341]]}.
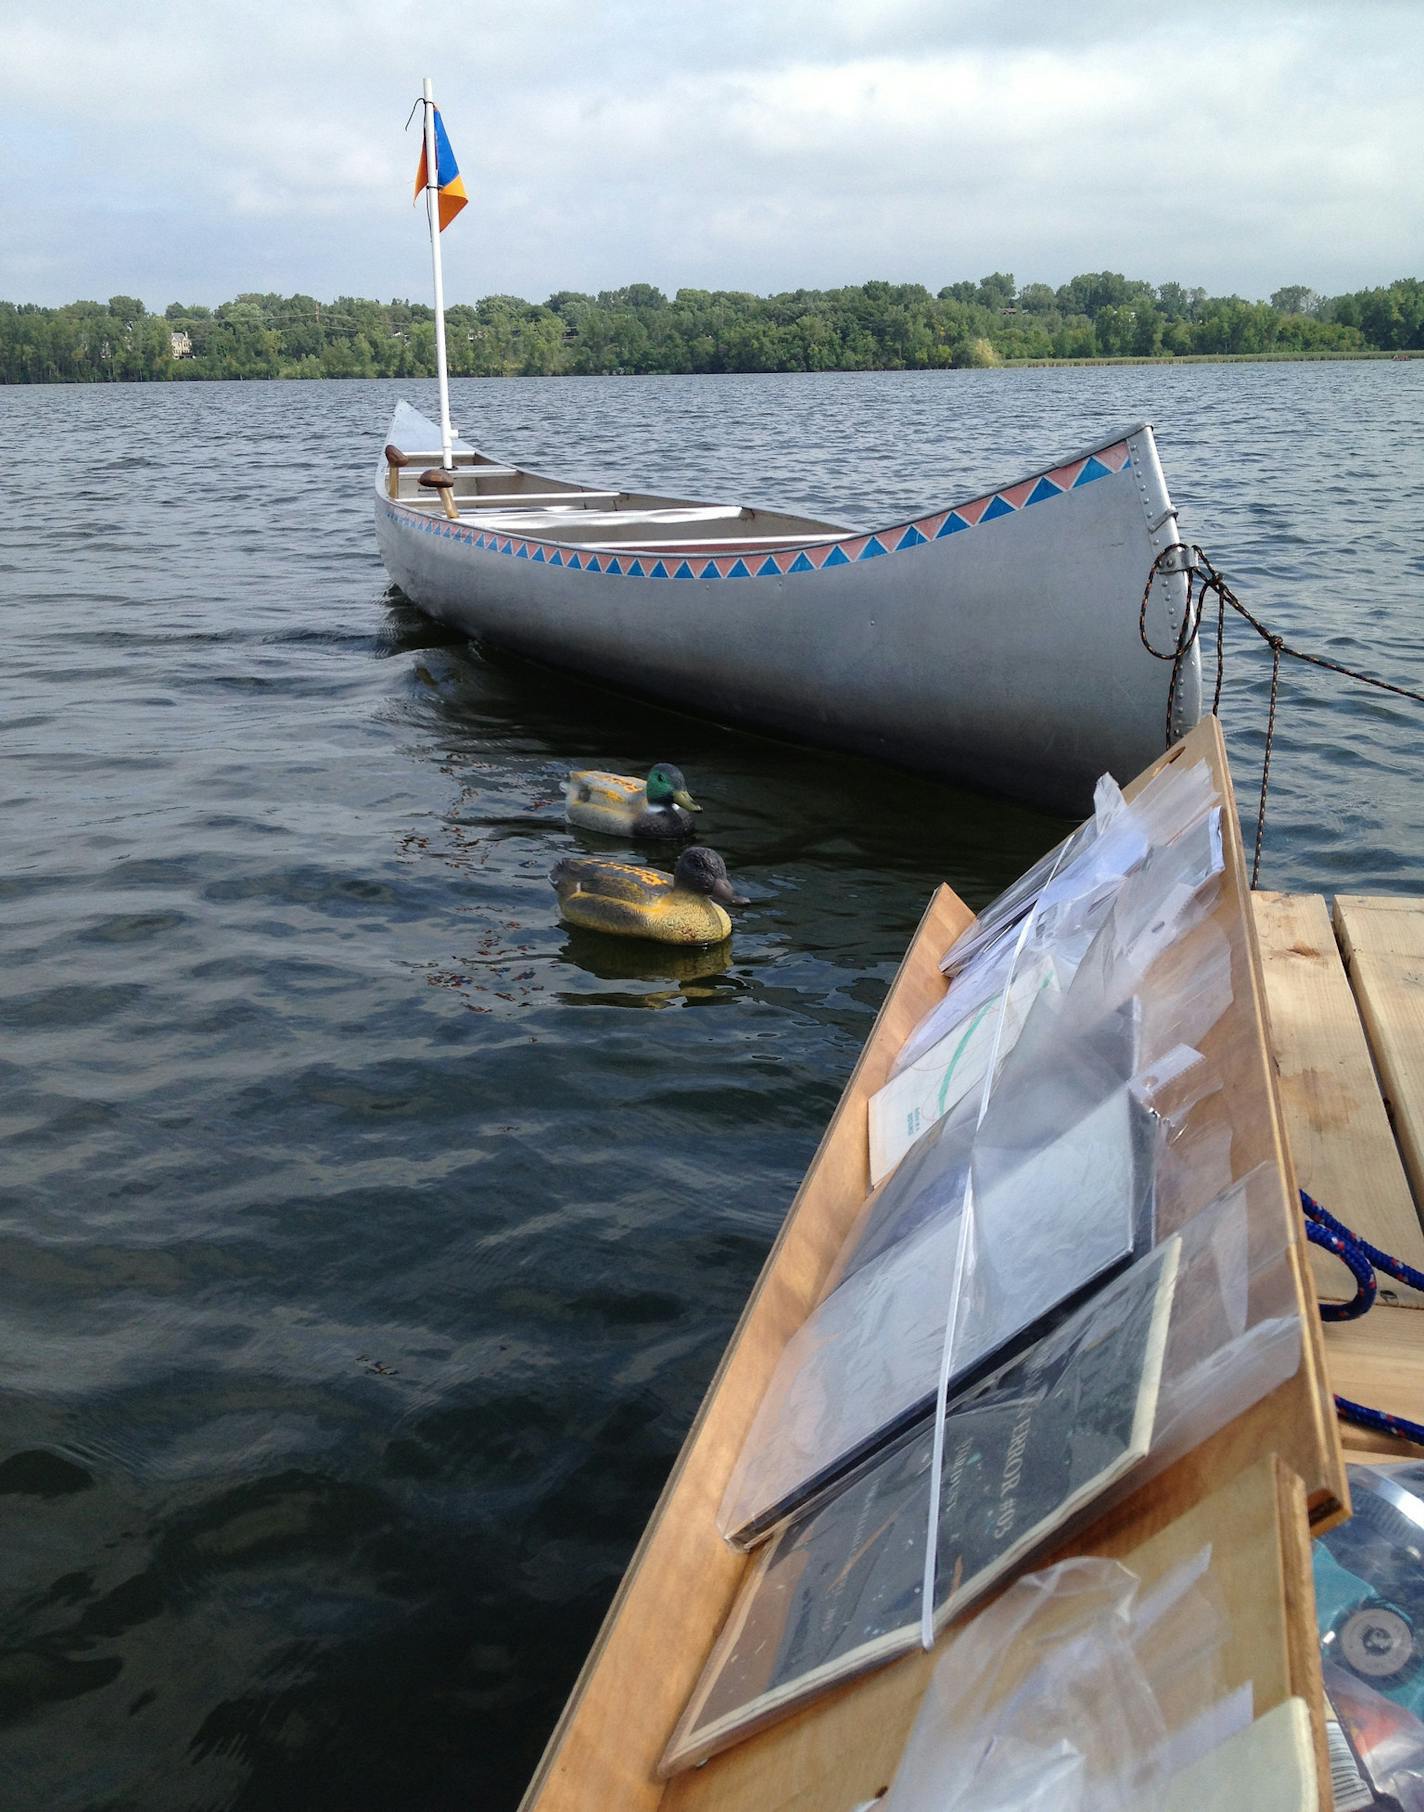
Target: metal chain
{"points": [[1202, 577]]}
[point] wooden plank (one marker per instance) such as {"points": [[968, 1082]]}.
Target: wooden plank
{"points": [[1379, 1361], [683, 1576], [682, 1579], [845, 1748], [1383, 944], [1336, 1124]]}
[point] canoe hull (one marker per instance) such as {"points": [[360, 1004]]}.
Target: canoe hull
{"points": [[996, 643]]}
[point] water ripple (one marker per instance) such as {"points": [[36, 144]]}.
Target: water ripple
{"points": [[368, 1238]]}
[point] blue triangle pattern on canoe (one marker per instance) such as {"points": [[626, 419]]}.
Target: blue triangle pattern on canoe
{"points": [[951, 525], [615, 567], [539, 555], [872, 549], [659, 570], [801, 565], [739, 571], [635, 570], [768, 569], [836, 557], [911, 538], [999, 507], [1041, 490], [592, 564], [1093, 468], [556, 558], [574, 564], [710, 571], [684, 571], [521, 552]]}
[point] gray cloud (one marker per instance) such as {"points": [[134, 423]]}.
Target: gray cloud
{"points": [[175, 152]]}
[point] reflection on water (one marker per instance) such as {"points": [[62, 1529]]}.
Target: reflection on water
{"points": [[360, 1282], [641, 959]]}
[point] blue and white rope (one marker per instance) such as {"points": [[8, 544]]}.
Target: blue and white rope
{"points": [[1363, 1260]]}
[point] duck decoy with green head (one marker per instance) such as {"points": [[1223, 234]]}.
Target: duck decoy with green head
{"points": [[688, 907], [620, 806]]}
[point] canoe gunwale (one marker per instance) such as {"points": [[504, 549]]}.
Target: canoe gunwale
{"points": [[825, 536]]}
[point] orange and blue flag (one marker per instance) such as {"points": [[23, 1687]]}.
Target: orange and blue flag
{"points": [[449, 184]]}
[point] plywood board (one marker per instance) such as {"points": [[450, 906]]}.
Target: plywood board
{"points": [[1379, 1361], [1339, 1133], [845, 1749], [1383, 944]]}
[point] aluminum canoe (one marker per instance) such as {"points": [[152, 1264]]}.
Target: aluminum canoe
{"points": [[995, 641]]}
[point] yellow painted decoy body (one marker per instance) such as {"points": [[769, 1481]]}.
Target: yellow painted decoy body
{"points": [[624, 900]]}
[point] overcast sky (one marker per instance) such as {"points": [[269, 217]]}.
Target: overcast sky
{"points": [[187, 152]]}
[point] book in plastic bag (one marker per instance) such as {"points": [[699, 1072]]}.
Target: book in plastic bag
{"points": [[837, 1588], [1061, 1170]]}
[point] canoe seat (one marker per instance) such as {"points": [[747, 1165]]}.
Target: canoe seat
{"points": [[589, 522], [521, 507], [522, 501]]}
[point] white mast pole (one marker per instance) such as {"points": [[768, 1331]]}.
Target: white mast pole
{"points": [[432, 211]]}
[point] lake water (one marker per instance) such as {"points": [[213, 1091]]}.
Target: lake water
{"points": [[367, 1240]]}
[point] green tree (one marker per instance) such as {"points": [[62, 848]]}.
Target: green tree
{"points": [[1295, 299]]}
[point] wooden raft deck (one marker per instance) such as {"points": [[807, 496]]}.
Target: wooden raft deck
{"points": [[1345, 999]]}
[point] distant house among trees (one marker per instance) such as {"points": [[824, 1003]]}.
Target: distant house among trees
{"points": [[182, 345]]}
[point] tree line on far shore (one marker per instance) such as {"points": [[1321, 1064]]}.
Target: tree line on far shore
{"points": [[872, 326]]}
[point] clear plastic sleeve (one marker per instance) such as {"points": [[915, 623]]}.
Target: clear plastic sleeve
{"points": [[1008, 909], [1077, 1691], [953, 1069], [1175, 1012], [1369, 1600], [837, 1587], [1158, 1360], [1021, 1197], [1128, 920], [1063, 1196], [1100, 852]]}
